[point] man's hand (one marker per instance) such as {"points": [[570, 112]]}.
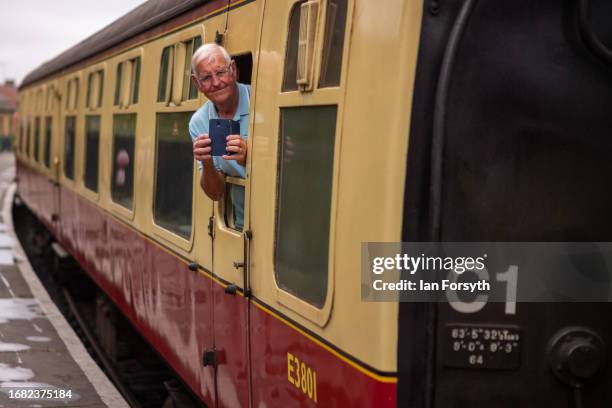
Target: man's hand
{"points": [[202, 149], [237, 148]]}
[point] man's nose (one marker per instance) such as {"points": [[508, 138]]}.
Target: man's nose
{"points": [[215, 80]]}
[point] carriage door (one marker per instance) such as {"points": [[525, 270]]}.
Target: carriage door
{"points": [[230, 317], [51, 147]]}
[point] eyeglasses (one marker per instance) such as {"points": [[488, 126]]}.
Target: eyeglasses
{"points": [[220, 74]]}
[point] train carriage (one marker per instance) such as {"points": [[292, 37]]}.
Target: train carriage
{"points": [[369, 122]]}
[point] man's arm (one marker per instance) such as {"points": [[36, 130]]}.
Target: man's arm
{"points": [[211, 180]]}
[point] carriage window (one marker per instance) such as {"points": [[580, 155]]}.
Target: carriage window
{"points": [[122, 178], [333, 43], [291, 55], [22, 136], [173, 173], [244, 67], [37, 139], [135, 85], [50, 98], [118, 84], [69, 140], [28, 138], [47, 160], [90, 80], [72, 93], [165, 74], [92, 146], [305, 181], [95, 86]]}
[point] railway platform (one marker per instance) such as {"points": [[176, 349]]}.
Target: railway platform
{"points": [[42, 361]]}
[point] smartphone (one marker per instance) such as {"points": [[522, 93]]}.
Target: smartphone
{"points": [[219, 130]]}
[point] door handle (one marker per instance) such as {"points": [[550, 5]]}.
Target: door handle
{"points": [[247, 235]]}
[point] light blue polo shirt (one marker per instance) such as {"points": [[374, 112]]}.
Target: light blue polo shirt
{"points": [[199, 125]]}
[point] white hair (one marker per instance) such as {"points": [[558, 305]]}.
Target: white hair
{"points": [[208, 51]]}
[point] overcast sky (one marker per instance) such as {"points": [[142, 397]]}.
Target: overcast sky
{"points": [[34, 31]]}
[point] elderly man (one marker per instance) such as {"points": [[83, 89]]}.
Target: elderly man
{"points": [[214, 74]]}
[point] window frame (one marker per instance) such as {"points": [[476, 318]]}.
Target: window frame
{"points": [[47, 145], [116, 208], [120, 109], [165, 234], [86, 191], [93, 75], [106, 98], [67, 180], [168, 106], [316, 97]]}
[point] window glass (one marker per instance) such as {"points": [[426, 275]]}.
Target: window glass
{"points": [[124, 137], [233, 193], [290, 73], [90, 82], [189, 89], [69, 142], [37, 139], [76, 93], [95, 87], [28, 138], [100, 87], [47, 160], [118, 84], [22, 133], [173, 173], [135, 79], [333, 43], [305, 181], [162, 86], [92, 147], [68, 94], [187, 70]]}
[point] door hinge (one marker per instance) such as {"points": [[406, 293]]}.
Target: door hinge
{"points": [[211, 225], [209, 358]]}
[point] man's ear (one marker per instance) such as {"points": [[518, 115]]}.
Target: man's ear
{"points": [[234, 69], [196, 82]]}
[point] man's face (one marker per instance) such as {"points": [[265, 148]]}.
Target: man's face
{"points": [[216, 79]]}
